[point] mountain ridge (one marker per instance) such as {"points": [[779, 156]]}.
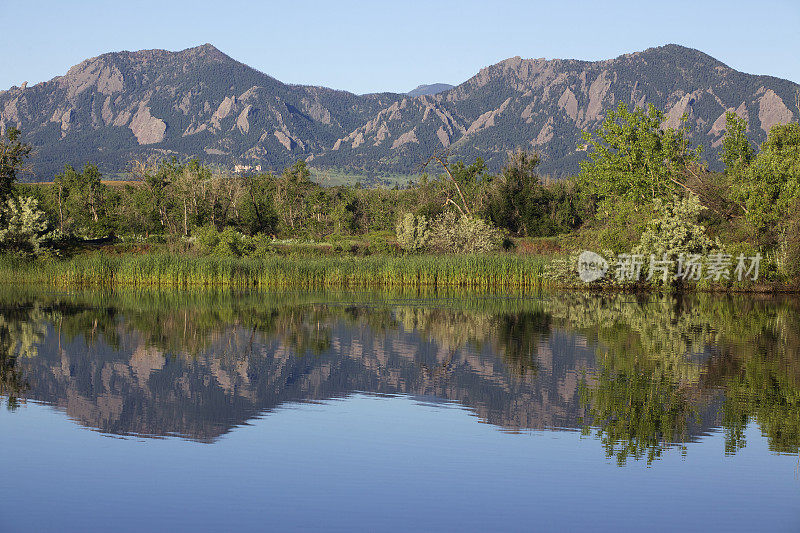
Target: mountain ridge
{"points": [[200, 102], [430, 89]]}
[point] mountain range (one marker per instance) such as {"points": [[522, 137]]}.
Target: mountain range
{"points": [[202, 103]]}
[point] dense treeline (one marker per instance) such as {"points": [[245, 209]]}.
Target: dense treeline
{"points": [[173, 200]]}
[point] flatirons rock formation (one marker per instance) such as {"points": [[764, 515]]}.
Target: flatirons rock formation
{"points": [[201, 103], [427, 90]]}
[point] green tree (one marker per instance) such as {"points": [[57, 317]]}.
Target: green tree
{"points": [[155, 180], [257, 211], [772, 183], [518, 201], [185, 188], [460, 180], [346, 207], [292, 188], [631, 156], [82, 201], [737, 152], [12, 156], [472, 180]]}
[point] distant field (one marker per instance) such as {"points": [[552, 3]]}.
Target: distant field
{"points": [[110, 183], [334, 177], [325, 177]]}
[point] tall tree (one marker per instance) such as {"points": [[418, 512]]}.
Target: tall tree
{"points": [[12, 156], [737, 152], [771, 183], [81, 199], [517, 198], [291, 189], [633, 157]]}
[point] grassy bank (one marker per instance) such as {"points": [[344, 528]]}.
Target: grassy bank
{"points": [[500, 271]]}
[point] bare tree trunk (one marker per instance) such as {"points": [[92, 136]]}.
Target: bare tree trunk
{"points": [[60, 211], [91, 205]]}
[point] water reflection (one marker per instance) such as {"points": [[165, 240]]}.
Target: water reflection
{"points": [[642, 374]]}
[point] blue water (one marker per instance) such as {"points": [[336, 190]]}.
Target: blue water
{"points": [[369, 463], [351, 418]]}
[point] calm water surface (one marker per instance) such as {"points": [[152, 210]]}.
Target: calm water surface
{"points": [[367, 412]]}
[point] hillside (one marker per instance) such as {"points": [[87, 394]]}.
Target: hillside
{"points": [[201, 103]]}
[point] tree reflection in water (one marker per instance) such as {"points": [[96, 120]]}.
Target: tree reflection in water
{"points": [[641, 373]]}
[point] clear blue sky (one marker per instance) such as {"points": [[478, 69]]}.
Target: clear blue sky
{"points": [[375, 46]]}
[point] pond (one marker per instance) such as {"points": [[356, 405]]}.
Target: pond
{"points": [[215, 411]]}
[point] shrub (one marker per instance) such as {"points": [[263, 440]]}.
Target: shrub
{"points": [[262, 245], [24, 227], [207, 238], [451, 233], [622, 225], [230, 243], [380, 243], [227, 243], [675, 232], [413, 232]]}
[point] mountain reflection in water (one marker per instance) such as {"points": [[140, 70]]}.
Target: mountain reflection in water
{"points": [[641, 373]]}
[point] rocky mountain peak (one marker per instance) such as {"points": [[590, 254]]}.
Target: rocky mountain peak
{"points": [[199, 102], [206, 51]]}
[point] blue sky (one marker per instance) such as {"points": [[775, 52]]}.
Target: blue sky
{"points": [[374, 46]]}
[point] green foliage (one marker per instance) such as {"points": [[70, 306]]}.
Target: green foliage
{"points": [[493, 271], [622, 227], [13, 153], [295, 197], [451, 233], [23, 227], [225, 243], [675, 233], [471, 180], [230, 243], [448, 233], [515, 200], [737, 152], [632, 157], [771, 183], [207, 238], [82, 202], [518, 201], [257, 209], [413, 232], [792, 242], [380, 242]]}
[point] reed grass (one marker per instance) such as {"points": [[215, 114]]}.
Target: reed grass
{"points": [[499, 271]]}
